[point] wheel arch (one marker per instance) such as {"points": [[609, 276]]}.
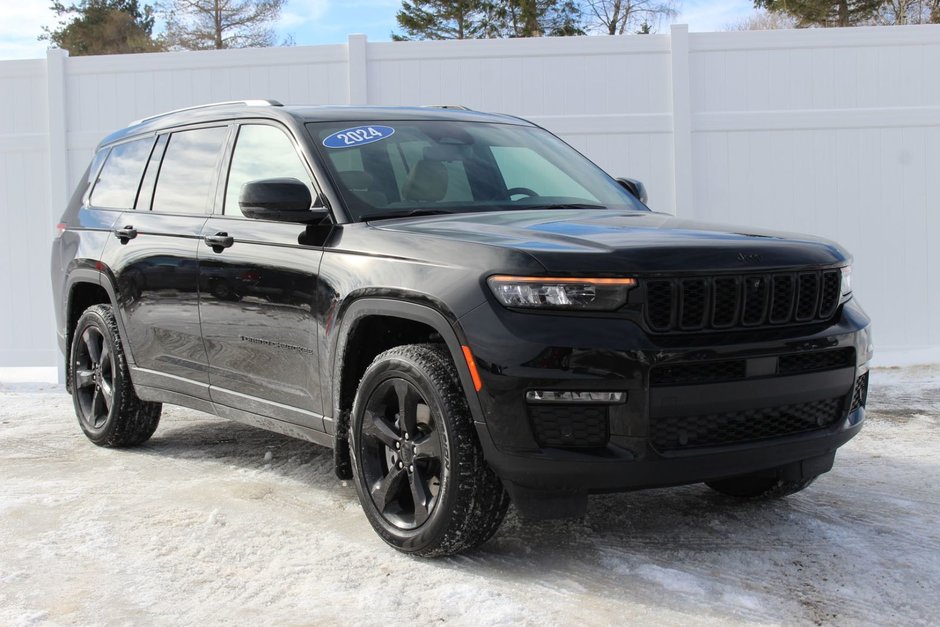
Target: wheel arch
{"points": [[85, 287], [348, 362]]}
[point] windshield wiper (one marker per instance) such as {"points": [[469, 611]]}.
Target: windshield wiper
{"points": [[566, 205], [406, 214]]}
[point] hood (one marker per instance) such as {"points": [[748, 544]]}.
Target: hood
{"points": [[612, 241]]}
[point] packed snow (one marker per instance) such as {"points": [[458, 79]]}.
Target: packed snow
{"points": [[215, 522]]}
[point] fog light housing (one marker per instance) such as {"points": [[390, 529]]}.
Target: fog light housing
{"points": [[575, 396]]}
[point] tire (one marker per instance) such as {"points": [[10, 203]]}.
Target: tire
{"points": [[107, 407], [418, 466], [759, 487]]}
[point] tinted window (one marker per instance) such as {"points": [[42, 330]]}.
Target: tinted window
{"points": [[117, 184], [261, 152], [185, 184], [523, 168]]}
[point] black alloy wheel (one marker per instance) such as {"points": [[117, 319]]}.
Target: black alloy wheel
{"points": [[417, 464], [401, 454], [94, 378]]}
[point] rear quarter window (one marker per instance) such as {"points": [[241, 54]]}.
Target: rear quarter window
{"points": [[119, 179]]}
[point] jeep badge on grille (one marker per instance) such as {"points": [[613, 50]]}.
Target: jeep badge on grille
{"points": [[748, 257]]}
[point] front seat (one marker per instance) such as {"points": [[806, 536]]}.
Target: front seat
{"points": [[360, 183], [427, 182]]}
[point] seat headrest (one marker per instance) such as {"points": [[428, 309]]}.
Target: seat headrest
{"points": [[427, 182], [356, 179]]}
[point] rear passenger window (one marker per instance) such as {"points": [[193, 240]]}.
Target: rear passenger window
{"points": [[119, 179], [185, 183]]}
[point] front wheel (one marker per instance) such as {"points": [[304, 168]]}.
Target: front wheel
{"points": [[419, 470]]}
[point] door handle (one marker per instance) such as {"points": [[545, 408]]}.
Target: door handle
{"points": [[219, 241], [126, 234]]}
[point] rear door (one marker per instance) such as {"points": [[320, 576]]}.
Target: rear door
{"points": [[153, 257], [258, 295]]}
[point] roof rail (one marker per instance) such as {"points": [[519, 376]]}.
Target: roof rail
{"points": [[247, 103], [446, 106]]}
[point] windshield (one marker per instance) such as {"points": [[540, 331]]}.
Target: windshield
{"points": [[395, 168]]}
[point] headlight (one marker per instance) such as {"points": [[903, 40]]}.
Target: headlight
{"points": [[586, 294], [846, 282]]}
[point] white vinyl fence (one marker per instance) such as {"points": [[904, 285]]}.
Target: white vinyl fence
{"points": [[829, 131]]}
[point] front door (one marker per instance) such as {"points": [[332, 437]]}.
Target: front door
{"points": [[258, 292]]}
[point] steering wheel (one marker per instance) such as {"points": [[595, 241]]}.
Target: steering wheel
{"points": [[525, 191]]}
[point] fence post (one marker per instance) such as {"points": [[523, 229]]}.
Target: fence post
{"points": [[59, 180], [358, 76], [681, 120]]}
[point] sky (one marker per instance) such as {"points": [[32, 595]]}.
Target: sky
{"points": [[311, 22]]}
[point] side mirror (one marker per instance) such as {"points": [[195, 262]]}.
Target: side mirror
{"points": [[280, 200], [635, 187]]}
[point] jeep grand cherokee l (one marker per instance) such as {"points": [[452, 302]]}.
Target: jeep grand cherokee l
{"points": [[462, 306]]}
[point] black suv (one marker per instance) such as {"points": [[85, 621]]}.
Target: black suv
{"points": [[461, 305]]}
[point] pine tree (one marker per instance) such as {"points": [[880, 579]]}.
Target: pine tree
{"points": [[824, 12], [534, 18], [103, 27], [439, 19], [475, 19]]}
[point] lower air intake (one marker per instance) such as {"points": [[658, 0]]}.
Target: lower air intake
{"points": [[685, 432]]}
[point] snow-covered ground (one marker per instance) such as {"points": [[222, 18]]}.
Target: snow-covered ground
{"points": [[214, 522]]}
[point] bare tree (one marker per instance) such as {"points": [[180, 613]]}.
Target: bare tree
{"points": [[908, 12], [217, 24], [616, 17], [763, 20]]}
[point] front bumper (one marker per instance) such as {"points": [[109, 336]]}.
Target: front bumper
{"points": [[518, 352]]}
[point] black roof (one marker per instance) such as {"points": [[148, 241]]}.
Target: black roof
{"points": [[302, 113]]}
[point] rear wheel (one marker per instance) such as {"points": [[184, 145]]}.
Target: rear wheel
{"points": [[419, 470], [108, 409], [759, 486]]}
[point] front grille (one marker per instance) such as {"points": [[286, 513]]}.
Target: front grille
{"points": [[815, 361], [685, 432], [741, 301], [860, 393], [570, 426], [736, 369]]}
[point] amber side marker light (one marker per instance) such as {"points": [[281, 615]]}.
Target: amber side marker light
{"points": [[472, 364]]}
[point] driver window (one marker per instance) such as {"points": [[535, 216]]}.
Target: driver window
{"points": [[261, 152]]}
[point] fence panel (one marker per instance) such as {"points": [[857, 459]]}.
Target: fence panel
{"points": [[834, 132], [26, 316]]}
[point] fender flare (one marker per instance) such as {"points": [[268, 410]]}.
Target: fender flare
{"points": [[449, 331], [100, 275]]}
